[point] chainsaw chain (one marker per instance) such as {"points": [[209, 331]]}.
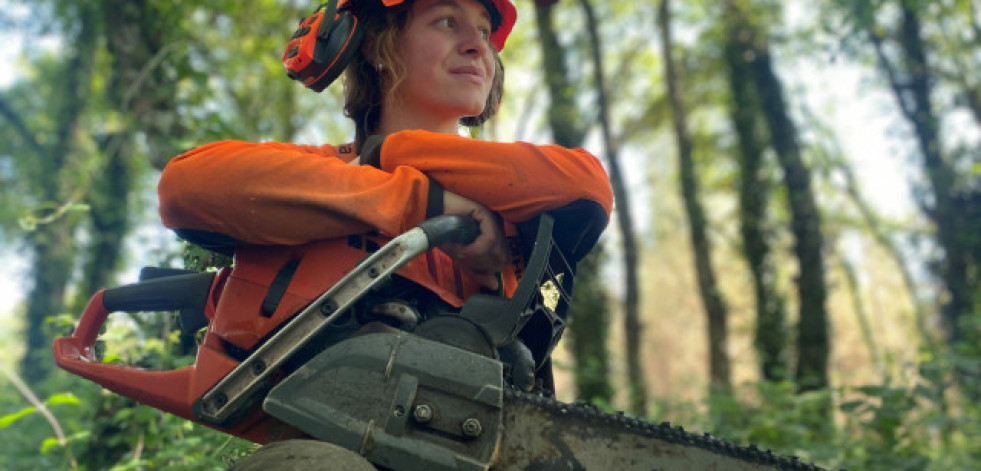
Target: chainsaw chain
{"points": [[663, 431]]}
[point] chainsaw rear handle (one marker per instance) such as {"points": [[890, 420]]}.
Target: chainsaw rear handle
{"points": [[166, 390], [168, 293]]}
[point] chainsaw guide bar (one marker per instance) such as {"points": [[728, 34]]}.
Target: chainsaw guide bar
{"points": [[542, 433]]}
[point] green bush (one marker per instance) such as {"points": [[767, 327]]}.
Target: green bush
{"points": [[929, 421]]}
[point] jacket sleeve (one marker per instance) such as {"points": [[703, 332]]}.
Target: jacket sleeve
{"points": [[284, 194], [517, 180]]}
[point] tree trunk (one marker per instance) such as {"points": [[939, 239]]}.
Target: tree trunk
{"points": [[911, 78], [589, 315], [813, 348], [916, 94], [139, 93], [712, 300], [51, 243], [109, 217], [754, 191], [137, 36], [861, 315], [631, 303], [138, 40], [563, 114], [812, 331]]}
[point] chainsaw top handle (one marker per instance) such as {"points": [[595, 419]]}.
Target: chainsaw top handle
{"points": [[450, 228]]}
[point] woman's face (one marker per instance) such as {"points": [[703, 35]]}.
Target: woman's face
{"points": [[448, 59]]}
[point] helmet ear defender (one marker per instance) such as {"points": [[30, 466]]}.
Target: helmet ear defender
{"points": [[324, 43]]}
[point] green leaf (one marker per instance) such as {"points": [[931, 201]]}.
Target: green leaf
{"points": [[49, 443], [123, 415], [9, 419], [876, 391], [112, 358], [851, 406], [63, 398], [925, 392], [27, 223], [79, 207]]}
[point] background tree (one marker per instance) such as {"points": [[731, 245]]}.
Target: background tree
{"points": [[51, 160], [611, 151], [813, 346], [712, 300], [910, 62], [142, 41], [754, 195], [589, 316]]}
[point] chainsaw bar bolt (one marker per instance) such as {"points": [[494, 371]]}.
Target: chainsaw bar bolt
{"points": [[472, 428], [219, 401], [328, 307], [422, 413]]}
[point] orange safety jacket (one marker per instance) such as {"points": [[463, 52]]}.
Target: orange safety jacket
{"points": [[236, 193]]}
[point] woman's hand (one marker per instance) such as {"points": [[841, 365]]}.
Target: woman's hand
{"points": [[483, 258]]}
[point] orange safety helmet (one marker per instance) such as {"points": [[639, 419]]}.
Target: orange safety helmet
{"points": [[326, 41]]}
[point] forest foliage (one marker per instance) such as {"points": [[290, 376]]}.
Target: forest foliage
{"points": [[756, 288]]}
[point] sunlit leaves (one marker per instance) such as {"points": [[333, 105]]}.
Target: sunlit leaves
{"points": [[9, 419]]}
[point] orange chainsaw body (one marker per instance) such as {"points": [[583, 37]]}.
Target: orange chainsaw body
{"points": [[236, 322]]}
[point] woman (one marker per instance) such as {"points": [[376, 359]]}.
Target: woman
{"points": [[424, 68]]}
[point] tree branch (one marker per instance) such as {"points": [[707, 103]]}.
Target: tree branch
{"points": [[25, 391], [891, 75], [21, 128], [975, 25]]}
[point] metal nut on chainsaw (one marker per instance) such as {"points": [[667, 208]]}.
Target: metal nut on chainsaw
{"points": [[422, 413], [471, 427]]}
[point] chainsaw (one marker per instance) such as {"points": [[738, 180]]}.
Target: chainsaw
{"points": [[329, 342]]}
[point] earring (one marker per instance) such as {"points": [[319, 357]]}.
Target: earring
{"points": [[380, 66]]}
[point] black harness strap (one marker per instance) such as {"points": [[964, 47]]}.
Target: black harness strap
{"points": [[278, 288]]}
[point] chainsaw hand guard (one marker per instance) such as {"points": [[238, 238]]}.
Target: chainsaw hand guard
{"points": [[77, 353]]}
